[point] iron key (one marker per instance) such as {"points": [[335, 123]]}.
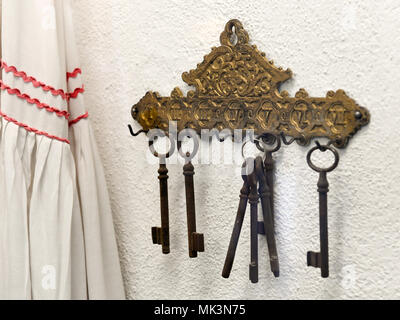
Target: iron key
{"points": [[321, 259]]}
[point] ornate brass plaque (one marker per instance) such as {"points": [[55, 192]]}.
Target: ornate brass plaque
{"points": [[237, 87]]}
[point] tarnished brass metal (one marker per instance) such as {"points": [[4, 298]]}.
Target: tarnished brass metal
{"points": [[237, 87]]}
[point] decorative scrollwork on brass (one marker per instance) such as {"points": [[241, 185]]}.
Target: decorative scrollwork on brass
{"points": [[237, 87]]}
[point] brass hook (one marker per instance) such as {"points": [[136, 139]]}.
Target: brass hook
{"points": [[137, 133]]}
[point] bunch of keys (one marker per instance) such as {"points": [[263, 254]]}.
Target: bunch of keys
{"points": [[257, 175], [256, 172]]}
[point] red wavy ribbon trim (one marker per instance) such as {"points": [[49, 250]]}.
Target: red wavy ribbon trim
{"points": [[74, 73], [45, 87], [26, 127], [76, 120], [40, 105], [76, 92]]}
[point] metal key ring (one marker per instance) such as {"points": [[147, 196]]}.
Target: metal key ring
{"points": [[243, 145], [171, 150], [188, 156], [323, 149], [262, 149]]}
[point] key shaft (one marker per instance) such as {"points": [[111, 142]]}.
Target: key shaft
{"points": [[253, 200], [323, 189], [264, 193]]}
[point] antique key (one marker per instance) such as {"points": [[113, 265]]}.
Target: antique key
{"points": [[266, 205], [269, 175], [195, 239], [244, 195], [269, 162], [267, 190], [321, 259], [253, 200], [160, 236]]}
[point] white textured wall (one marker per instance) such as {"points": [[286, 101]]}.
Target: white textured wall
{"points": [[129, 47]]}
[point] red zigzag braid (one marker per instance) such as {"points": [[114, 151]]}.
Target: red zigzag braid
{"points": [[45, 87], [76, 120], [28, 128], [40, 105], [74, 73]]}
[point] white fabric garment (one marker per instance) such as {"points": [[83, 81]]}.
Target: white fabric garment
{"points": [[57, 237]]}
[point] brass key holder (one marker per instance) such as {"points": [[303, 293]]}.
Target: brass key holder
{"points": [[237, 87]]}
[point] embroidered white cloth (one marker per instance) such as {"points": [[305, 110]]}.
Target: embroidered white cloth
{"points": [[57, 237]]}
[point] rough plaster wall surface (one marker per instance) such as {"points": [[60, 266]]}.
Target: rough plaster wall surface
{"points": [[129, 47]]}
